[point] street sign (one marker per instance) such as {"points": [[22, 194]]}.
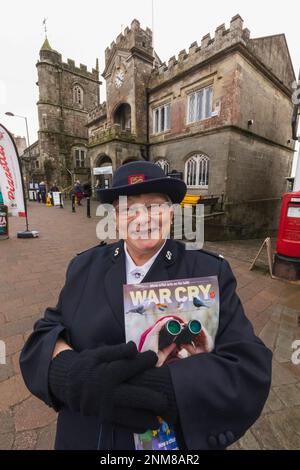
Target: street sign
{"points": [[103, 170]]}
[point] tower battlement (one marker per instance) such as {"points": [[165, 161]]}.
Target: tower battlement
{"points": [[133, 37], [209, 46], [81, 70], [53, 57]]}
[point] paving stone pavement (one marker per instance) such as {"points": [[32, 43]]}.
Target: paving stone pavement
{"points": [[31, 275]]}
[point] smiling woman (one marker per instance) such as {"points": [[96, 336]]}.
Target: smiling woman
{"points": [[145, 223], [105, 390]]}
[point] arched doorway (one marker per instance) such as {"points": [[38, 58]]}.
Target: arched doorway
{"points": [[122, 117], [103, 171]]}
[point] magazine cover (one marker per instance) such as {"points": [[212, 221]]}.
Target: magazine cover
{"points": [[176, 319]]}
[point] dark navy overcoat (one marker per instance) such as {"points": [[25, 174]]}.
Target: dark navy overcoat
{"points": [[219, 394]]}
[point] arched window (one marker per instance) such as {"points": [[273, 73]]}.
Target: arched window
{"points": [[164, 165], [103, 160], [79, 157], [197, 171], [78, 95], [122, 116]]}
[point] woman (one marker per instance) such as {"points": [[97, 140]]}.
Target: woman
{"points": [[77, 361]]}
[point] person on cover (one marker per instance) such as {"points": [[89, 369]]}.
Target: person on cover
{"points": [[76, 360]]}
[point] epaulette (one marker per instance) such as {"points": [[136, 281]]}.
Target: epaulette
{"points": [[102, 243], [211, 253]]}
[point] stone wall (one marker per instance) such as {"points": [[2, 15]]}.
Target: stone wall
{"points": [[215, 146]]}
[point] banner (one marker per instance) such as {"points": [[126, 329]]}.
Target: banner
{"points": [[10, 175], [103, 170]]}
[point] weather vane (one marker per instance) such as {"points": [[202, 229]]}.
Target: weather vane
{"points": [[45, 26]]}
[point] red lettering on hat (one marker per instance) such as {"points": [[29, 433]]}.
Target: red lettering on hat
{"points": [[133, 179]]}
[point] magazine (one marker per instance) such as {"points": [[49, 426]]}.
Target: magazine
{"points": [[176, 319]]}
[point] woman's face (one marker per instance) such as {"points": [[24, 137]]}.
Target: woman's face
{"points": [[145, 221]]}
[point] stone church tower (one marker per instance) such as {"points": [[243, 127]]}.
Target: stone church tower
{"points": [[66, 94]]}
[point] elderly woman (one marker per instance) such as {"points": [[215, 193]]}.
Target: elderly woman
{"points": [[78, 362]]}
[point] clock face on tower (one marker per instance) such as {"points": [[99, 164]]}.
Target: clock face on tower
{"points": [[119, 78]]}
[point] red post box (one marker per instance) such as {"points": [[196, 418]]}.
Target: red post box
{"points": [[287, 258], [288, 239]]}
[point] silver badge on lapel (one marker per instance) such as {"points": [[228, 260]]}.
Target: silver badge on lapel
{"points": [[169, 255], [116, 251]]}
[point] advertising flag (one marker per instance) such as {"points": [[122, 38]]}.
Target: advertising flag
{"points": [[10, 175]]}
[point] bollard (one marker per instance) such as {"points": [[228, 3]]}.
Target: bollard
{"points": [[88, 207], [61, 204], [3, 222], [73, 203]]}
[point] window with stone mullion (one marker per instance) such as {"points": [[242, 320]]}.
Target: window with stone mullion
{"points": [[79, 158], [161, 119], [200, 105], [208, 102], [200, 102]]}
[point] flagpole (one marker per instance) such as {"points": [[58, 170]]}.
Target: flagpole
{"points": [[153, 29]]}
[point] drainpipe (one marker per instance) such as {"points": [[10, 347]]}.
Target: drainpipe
{"points": [[147, 127]]}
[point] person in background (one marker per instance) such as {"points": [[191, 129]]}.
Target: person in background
{"points": [[78, 192], [43, 191], [54, 188], [87, 190]]}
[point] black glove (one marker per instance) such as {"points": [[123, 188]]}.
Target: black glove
{"points": [[159, 379], [137, 408], [134, 420], [85, 381]]}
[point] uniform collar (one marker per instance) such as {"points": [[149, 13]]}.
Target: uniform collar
{"points": [[168, 253], [132, 267], [115, 276]]}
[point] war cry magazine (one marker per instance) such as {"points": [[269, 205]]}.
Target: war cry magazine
{"points": [[176, 319]]}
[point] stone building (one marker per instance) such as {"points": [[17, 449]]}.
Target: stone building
{"points": [[219, 114], [20, 143], [66, 94], [33, 168]]}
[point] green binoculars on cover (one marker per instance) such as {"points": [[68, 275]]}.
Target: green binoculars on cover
{"points": [[174, 332]]}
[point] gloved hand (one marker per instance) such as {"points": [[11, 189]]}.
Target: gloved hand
{"points": [[138, 408], [85, 381], [157, 380], [134, 420]]}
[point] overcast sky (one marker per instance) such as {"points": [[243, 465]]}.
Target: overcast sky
{"points": [[82, 30]]}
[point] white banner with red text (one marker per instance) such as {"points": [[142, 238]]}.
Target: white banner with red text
{"points": [[10, 175]]}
